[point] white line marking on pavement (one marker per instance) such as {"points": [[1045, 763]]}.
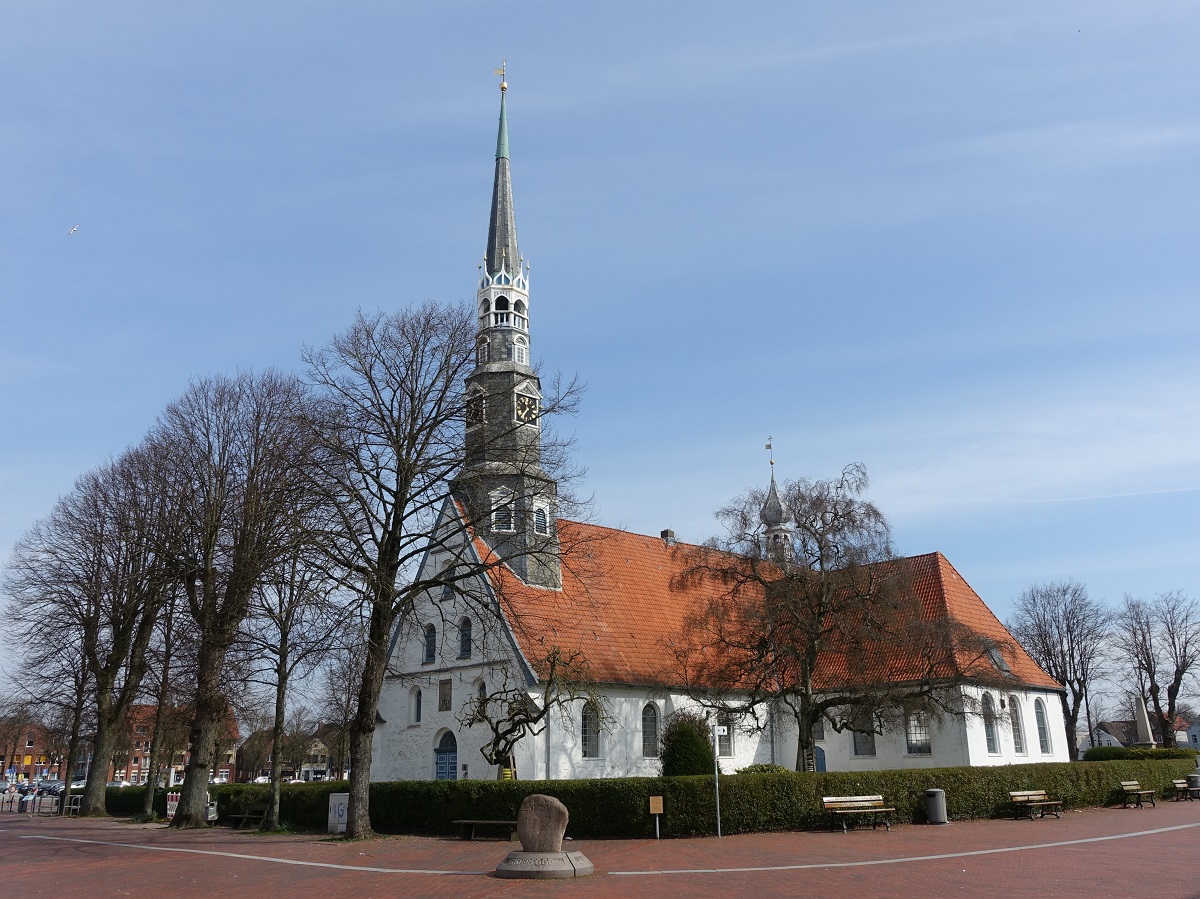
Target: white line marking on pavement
{"points": [[253, 858], [663, 872], [913, 858]]}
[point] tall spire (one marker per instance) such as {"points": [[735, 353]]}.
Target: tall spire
{"points": [[774, 517], [502, 227]]}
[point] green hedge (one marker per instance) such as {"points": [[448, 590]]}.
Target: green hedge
{"points": [[750, 802], [1113, 753]]}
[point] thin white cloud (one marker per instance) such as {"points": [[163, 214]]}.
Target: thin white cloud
{"points": [[1067, 444]]}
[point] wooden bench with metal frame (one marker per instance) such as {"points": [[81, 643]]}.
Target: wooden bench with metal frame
{"points": [[1183, 791], [467, 827], [1135, 793], [846, 806], [1034, 800], [254, 815]]}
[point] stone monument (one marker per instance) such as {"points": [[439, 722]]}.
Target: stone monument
{"points": [[541, 823]]}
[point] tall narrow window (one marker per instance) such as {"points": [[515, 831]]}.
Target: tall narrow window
{"points": [[864, 744], [989, 724], [589, 732], [917, 734], [650, 731], [445, 695], [1018, 730], [818, 729], [541, 521], [725, 740], [416, 706], [502, 511], [1043, 726], [476, 408], [481, 352], [464, 639], [521, 351], [430, 643]]}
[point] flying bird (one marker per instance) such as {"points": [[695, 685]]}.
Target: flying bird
{"points": [[72, 231]]}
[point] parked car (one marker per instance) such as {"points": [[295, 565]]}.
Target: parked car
{"points": [[263, 779], [119, 783], [50, 787]]}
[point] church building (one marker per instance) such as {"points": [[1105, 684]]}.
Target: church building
{"points": [[571, 590]]}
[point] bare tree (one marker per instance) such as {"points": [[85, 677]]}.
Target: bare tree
{"points": [[233, 453], [57, 696], [391, 431], [510, 712], [341, 677], [293, 624], [800, 606], [1159, 641], [1067, 633], [90, 572]]}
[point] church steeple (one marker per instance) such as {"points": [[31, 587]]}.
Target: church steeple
{"points": [[777, 535], [512, 500], [502, 253]]}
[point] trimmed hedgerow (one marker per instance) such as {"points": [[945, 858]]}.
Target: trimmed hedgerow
{"points": [[750, 802], [1114, 753]]}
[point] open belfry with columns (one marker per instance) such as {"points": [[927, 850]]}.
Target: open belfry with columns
{"points": [[614, 599]]}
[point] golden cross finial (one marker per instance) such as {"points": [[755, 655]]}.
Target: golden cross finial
{"points": [[500, 72]]}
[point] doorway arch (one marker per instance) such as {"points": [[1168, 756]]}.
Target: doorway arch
{"points": [[445, 758]]}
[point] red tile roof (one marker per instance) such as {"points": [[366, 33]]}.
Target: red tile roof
{"points": [[620, 604]]}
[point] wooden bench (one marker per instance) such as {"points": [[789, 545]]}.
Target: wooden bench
{"points": [[845, 806], [1183, 791], [252, 816], [1135, 793], [1034, 800], [467, 827]]}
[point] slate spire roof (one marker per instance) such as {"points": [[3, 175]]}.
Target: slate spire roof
{"points": [[771, 513], [502, 226]]}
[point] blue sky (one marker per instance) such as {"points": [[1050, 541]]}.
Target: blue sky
{"points": [[955, 242]]}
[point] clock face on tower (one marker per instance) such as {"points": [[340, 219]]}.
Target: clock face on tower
{"points": [[526, 411]]}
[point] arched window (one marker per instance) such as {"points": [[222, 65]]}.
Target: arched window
{"points": [[541, 521], [519, 307], [464, 639], [1043, 726], [589, 731], [989, 724], [1018, 728], [414, 714], [501, 303], [650, 731], [430, 643], [482, 352], [521, 352], [476, 408], [502, 511]]}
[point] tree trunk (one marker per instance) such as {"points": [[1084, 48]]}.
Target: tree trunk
{"points": [[96, 788], [72, 750], [362, 728], [271, 821], [210, 712]]}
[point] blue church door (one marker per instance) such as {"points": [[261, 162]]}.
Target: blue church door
{"points": [[819, 757], [446, 758]]}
